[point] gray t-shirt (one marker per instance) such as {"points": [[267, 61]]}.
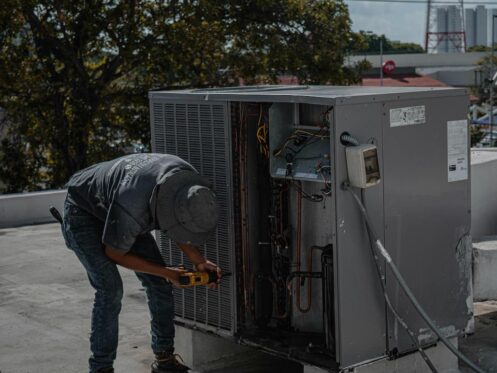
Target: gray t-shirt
{"points": [[119, 193]]}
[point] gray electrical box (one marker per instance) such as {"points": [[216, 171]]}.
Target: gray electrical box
{"points": [[299, 151], [276, 160]]}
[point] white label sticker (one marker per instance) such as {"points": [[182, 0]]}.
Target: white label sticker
{"points": [[406, 116], [457, 150]]}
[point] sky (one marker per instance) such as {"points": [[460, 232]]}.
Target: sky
{"points": [[398, 21]]}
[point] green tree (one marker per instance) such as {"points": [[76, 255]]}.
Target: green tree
{"points": [[487, 63], [74, 75], [479, 48], [400, 47], [485, 68], [372, 44], [476, 135]]}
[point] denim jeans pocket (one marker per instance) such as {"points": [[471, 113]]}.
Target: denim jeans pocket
{"points": [[80, 228], [76, 218]]}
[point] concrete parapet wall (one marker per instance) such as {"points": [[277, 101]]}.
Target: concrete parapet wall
{"points": [[29, 208], [422, 59], [485, 268], [483, 192]]}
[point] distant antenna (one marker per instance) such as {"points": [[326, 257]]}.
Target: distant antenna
{"points": [[445, 29]]}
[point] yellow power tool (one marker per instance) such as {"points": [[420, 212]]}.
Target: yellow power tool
{"points": [[200, 278]]}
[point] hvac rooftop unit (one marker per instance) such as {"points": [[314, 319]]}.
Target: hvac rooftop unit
{"points": [[305, 284]]}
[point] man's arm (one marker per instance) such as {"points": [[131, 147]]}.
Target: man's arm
{"points": [[193, 253], [138, 264], [201, 264]]}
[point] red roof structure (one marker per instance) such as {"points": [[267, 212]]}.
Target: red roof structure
{"points": [[407, 80], [288, 80], [395, 80], [403, 80], [400, 80]]}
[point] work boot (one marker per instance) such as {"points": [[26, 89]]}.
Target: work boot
{"points": [[168, 361], [106, 370]]}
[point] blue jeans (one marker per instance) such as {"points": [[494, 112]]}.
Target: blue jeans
{"points": [[83, 235]]}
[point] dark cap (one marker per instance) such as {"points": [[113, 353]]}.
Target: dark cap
{"points": [[186, 207]]}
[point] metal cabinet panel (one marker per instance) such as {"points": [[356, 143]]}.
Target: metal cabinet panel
{"points": [[199, 132], [360, 316], [427, 220]]}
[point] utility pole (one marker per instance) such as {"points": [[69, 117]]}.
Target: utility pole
{"points": [[381, 62], [429, 16], [492, 83]]}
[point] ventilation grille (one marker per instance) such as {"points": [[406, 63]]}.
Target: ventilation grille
{"points": [[198, 134]]}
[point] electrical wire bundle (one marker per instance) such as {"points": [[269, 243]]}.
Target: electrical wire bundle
{"points": [[262, 134], [292, 146], [323, 169], [297, 141]]}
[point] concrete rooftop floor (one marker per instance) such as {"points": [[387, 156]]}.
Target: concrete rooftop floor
{"points": [[45, 307], [46, 300]]}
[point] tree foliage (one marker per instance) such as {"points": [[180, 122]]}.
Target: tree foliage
{"points": [[479, 48], [487, 63], [373, 42], [476, 135], [74, 75], [486, 70]]}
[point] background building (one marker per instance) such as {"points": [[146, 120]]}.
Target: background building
{"points": [[454, 24], [491, 13], [470, 23], [442, 46], [476, 26], [449, 20], [481, 25]]}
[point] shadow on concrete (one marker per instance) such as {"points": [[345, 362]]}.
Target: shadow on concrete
{"points": [[481, 347], [252, 362]]}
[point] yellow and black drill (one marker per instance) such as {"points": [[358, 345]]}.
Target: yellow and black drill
{"points": [[200, 278]]}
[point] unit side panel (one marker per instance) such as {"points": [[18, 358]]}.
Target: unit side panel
{"points": [[427, 219], [199, 132], [360, 316]]}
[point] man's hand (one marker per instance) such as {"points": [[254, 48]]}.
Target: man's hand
{"points": [[138, 264], [208, 266], [201, 264], [172, 274]]}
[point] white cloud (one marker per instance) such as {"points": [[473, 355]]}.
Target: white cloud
{"points": [[398, 21]]}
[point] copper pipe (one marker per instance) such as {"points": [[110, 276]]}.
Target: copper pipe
{"points": [[309, 281], [299, 223], [281, 213], [278, 315], [299, 249]]}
